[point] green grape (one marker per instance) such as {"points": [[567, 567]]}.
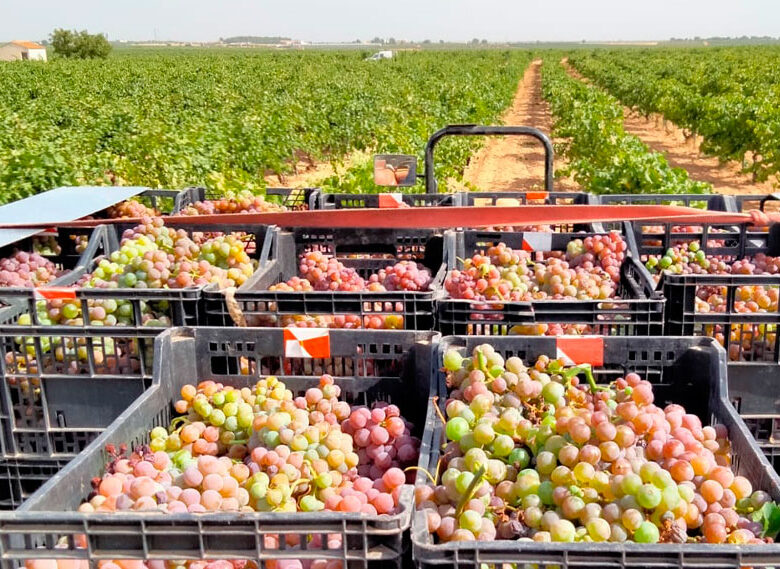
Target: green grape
{"points": [[545, 492], [552, 392], [484, 434], [648, 496], [562, 530], [546, 462], [311, 504], [503, 445], [519, 457], [471, 521], [463, 481], [631, 483], [670, 497], [598, 529], [452, 360], [647, 532]]}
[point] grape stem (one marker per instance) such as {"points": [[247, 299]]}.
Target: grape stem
{"points": [[421, 469], [435, 401], [587, 371], [470, 490], [175, 422]]}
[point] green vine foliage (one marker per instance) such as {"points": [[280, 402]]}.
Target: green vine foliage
{"points": [[601, 156], [728, 96], [226, 118]]}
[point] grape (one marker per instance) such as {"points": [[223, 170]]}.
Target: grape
{"points": [[648, 496], [562, 530], [233, 202], [647, 532], [588, 269], [554, 458]]}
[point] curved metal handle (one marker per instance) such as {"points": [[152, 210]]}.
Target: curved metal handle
{"points": [[767, 198], [431, 186]]}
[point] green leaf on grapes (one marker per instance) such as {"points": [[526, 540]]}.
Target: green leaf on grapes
{"points": [[770, 517]]}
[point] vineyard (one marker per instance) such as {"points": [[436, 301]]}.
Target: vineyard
{"points": [[228, 367], [729, 97], [226, 120]]}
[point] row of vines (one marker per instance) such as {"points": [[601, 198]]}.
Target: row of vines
{"points": [[226, 119], [728, 96], [601, 156]]}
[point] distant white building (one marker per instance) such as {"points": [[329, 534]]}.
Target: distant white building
{"points": [[19, 50]]}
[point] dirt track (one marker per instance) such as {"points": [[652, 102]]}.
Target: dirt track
{"points": [[668, 139], [517, 163]]}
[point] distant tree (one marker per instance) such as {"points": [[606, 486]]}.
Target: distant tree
{"points": [[81, 45], [441, 41], [426, 42], [377, 40], [391, 40], [484, 42], [475, 41]]}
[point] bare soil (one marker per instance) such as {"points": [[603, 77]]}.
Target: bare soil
{"points": [[514, 163], [682, 151]]}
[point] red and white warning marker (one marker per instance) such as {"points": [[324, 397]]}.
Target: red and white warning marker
{"points": [[537, 241], [393, 200], [55, 293], [306, 343], [576, 350]]}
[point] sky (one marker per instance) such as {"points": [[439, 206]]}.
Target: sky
{"points": [[347, 20]]}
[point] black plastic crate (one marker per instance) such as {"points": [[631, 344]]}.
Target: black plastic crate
{"points": [[637, 310], [747, 336], [62, 247], [485, 199], [386, 200], [710, 202], [64, 384], [293, 198], [754, 390], [364, 250], [369, 366], [688, 371], [19, 479]]}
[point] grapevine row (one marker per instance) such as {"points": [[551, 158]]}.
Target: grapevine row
{"points": [[601, 155], [728, 97]]}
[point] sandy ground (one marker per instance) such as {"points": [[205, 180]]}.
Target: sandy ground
{"points": [[682, 152], [514, 163]]}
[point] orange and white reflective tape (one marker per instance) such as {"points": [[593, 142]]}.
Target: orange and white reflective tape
{"points": [[55, 293], [393, 200], [306, 343], [575, 350], [537, 241]]}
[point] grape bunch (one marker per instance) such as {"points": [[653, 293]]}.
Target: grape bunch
{"points": [[325, 272], [238, 202], [129, 209], [381, 321], [744, 341], [263, 448], [27, 270], [46, 245], [588, 269], [320, 271], [534, 454], [151, 255], [404, 275]]}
